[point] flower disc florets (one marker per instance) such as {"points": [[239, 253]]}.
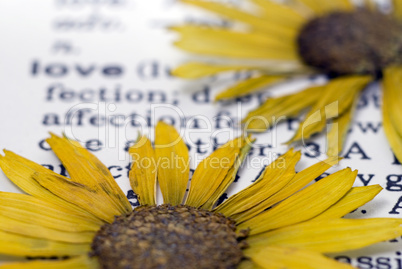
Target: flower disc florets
{"points": [[168, 237], [355, 42]]}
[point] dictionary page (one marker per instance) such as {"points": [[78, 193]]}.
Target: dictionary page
{"points": [[99, 72]]}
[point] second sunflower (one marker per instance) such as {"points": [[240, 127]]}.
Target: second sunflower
{"points": [[352, 45]]}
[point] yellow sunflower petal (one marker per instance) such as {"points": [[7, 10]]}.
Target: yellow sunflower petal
{"points": [[280, 14], [173, 163], [37, 231], [222, 47], [238, 15], [222, 36], [331, 236], [85, 168], [324, 6], [394, 139], [276, 257], [194, 70], [20, 170], [215, 173], [255, 199], [309, 202], [392, 109], [78, 194], [26, 208], [231, 175], [231, 206], [340, 127], [22, 246], [81, 262], [397, 8], [275, 109], [337, 97], [303, 178], [248, 86], [143, 171], [355, 198]]}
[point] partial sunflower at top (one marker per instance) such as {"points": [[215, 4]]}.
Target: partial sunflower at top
{"points": [[352, 45]]}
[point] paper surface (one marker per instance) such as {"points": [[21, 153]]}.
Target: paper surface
{"points": [[89, 67]]}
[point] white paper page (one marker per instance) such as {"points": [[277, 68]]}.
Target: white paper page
{"points": [[88, 67]]}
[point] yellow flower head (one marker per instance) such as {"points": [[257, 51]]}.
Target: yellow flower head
{"points": [[353, 45], [280, 221]]}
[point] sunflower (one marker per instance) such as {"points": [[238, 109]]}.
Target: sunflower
{"points": [[87, 222], [351, 45]]}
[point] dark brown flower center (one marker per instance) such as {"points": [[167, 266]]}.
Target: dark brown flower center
{"points": [[358, 42], [168, 237]]}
